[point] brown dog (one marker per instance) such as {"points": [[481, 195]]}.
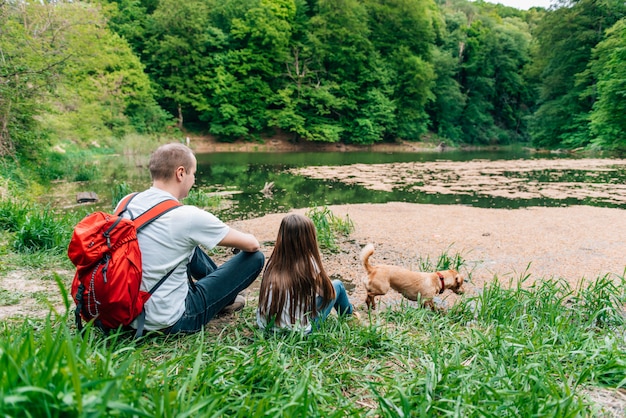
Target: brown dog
{"points": [[411, 284]]}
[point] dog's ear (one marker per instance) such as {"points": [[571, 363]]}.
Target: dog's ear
{"points": [[459, 280], [458, 284]]}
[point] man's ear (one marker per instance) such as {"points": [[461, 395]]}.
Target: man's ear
{"points": [[180, 171]]}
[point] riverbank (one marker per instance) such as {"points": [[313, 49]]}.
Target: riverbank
{"points": [[283, 143], [575, 244]]}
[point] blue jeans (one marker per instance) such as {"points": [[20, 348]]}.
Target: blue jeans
{"points": [[216, 287], [341, 304]]}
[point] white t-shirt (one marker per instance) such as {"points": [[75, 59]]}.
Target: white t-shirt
{"points": [[302, 322], [166, 243]]}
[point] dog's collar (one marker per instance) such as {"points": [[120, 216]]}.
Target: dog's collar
{"points": [[443, 285]]}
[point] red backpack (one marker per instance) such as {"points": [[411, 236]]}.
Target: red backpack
{"points": [[105, 251]]}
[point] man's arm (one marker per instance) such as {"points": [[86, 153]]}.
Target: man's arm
{"points": [[240, 240]]}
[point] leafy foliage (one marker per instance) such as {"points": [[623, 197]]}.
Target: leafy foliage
{"points": [[65, 74], [607, 117], [32, 56], [566, 38], [202, 199], [349, 71]]}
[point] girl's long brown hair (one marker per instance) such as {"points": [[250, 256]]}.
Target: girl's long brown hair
{"points": [[294, 272]]}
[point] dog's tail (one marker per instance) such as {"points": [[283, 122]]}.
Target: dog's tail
{"points": [[366, 253]]}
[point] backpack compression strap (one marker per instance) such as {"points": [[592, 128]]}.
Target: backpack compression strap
{"points": [[141, 319]]}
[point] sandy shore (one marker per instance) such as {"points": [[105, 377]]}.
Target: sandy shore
{"points": [[577, 243]]}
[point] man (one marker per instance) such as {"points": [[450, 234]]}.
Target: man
{"points": [[171, 243]]}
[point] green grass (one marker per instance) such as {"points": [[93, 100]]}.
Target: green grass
{"points": [[120, 189], [10, 297], [196, 196], [73, 165], [328, 227], [43, 230], [445, 261], [33, 227], [202, 199], [13, 214], [509, 351], [29, 227]]}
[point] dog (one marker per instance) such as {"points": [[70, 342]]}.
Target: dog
{"points": [[412, 285]]}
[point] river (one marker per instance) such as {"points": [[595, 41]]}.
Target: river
{"points": [[252, 184]]}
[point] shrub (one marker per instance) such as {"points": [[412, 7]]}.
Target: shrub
{"points": [[42, 230], [12, 215], [74, 165]]}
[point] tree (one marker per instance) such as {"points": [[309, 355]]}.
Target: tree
{"points": [[244, 82], [512, 96], [403, 33], [105, 91], [492, 70], [342, 58], [128, 18], [33, 52], [415, 78], [179, 49], [608, 123], [64, 74], [481, 93], [446, 109], [566, 37]]}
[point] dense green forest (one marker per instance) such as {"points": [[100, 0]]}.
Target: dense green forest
{"points": [[352, 71]]}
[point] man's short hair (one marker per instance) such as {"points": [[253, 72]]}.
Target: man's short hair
{"points": [[167, 158]]}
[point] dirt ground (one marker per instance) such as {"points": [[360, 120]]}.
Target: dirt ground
{"points": [[571, 243]]}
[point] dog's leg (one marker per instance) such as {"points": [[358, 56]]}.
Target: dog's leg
{"points": [[429, 303], [370, 301]]}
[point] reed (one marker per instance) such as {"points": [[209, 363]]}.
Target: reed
{"points": [[120, 189], [202, 199], [329, 227]]}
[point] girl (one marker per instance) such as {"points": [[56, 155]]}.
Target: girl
{"points": [[295, 290]]}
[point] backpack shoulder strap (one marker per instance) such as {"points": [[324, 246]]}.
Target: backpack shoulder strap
{"points": [[154, 212], [124, 203]]}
